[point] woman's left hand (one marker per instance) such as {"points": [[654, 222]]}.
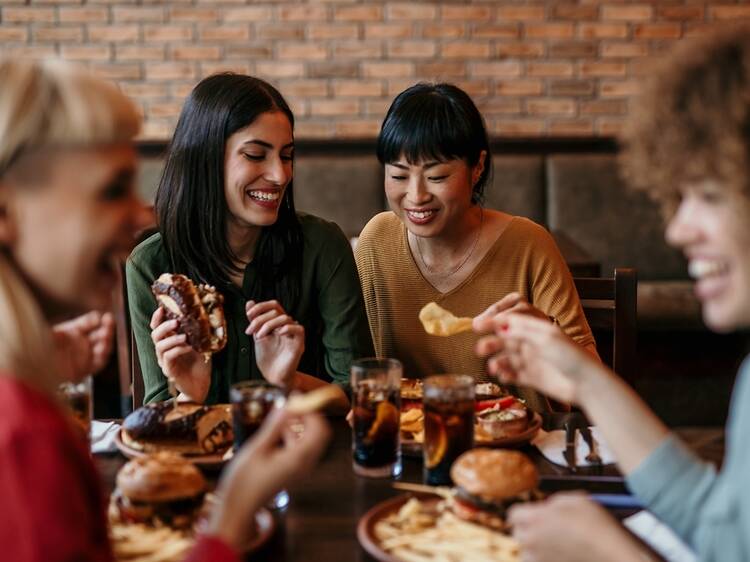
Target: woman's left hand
{"points": [[83, 344], [279, 341]]}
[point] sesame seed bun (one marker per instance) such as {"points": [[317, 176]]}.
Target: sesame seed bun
{"points": [[494, 474]]}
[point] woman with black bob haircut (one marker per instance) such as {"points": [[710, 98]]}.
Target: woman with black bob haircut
{"points": [[440, 242], [226, 217]]}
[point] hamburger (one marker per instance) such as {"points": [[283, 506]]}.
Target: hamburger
{"points": [[488, 481], [159, 489], [503, 423], [185, 428], [198, 309]]}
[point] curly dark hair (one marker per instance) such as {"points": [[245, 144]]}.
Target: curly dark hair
{"points": [[693, 120]]}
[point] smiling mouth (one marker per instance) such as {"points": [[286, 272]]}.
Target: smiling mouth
{"points": [[699, 269], [264, 195], [421, 215]]}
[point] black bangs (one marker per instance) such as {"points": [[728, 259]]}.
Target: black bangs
{"points": [[435, 122]]}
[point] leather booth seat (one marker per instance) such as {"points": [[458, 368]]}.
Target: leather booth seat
{"points": [[579, 194]]}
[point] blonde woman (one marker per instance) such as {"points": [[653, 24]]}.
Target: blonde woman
{"points": [[68, 212]]}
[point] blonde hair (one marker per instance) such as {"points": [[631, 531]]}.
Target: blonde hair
{"points": [[47, 104], [53, 103], [26, 341]]}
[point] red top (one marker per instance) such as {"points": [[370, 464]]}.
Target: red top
{"points": [[51, 505]]}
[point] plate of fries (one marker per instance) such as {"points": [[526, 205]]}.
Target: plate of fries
{"points": [[146, 543], [149, 544], [418, 527]]}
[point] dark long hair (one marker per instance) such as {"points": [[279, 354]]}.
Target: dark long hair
{"points": [[436, 122], [191, 204]]}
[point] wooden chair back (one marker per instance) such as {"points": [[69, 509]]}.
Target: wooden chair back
{"points": [[610, 305], [131, 379]]}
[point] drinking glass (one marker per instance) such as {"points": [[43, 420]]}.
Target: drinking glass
{"points": [[376, 401], [252, 401], [448, 424], [76, 396]]}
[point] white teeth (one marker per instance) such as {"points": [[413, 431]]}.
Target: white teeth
{"points": [[421, 214], [700, 268], [265, 195]]}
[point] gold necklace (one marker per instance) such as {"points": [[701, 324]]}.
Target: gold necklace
{"points": [[463, 261]]}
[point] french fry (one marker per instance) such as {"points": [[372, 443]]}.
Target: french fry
{"points": [[148, 544], [416, 534], [312, 401]]}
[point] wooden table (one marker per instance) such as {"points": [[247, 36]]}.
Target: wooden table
{"points": [[320, 522]]}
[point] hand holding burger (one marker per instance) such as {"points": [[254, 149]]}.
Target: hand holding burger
{"points": [[187, 327], [179, 362]]}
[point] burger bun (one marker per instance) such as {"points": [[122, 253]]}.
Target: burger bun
{"points": [[160, 477]]}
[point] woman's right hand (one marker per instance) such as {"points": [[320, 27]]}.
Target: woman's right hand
{"points": [[533, 352], [187, 368]]}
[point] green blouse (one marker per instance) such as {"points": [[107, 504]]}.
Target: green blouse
{"points": [[330, 308]]}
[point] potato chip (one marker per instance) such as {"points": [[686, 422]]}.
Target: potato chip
{"points": [[439, 322], [412, 423]]}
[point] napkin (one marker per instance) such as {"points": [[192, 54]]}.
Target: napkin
{"points": [[103, 436], [552, 444], [659, 537]]}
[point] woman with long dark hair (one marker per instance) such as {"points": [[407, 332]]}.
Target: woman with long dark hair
{"points": [[225, 207], [442, 244]]}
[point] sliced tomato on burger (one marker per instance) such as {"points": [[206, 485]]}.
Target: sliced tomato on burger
{"points": [[501, 403]]}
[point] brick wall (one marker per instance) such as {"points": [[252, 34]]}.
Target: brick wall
{"points": [[551, 68]]}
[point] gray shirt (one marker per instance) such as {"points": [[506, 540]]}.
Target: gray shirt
{"points": [[709, 510]]}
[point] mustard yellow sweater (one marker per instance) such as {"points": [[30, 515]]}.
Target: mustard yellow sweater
{"points": [[524, 258]]}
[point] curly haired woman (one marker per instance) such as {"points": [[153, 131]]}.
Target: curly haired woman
{"points": [[689, 145]]}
